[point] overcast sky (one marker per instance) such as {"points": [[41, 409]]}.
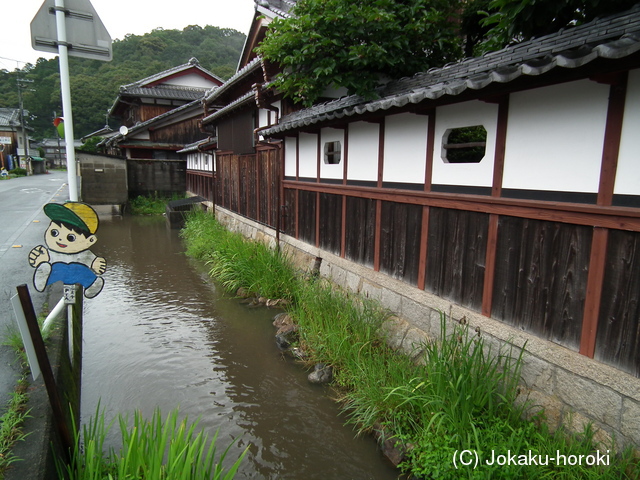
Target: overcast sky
{"points": [[120, 17]]}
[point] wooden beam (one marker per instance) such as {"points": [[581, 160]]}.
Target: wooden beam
{"points": [[490, 265], [431, 133], [377, 236], [424, 243], [380, 153], [621, 218], [608, 171], [595, 281], [612, 136], [501, 144]]}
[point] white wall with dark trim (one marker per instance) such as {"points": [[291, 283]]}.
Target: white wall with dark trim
{"points": [[555, 137]]}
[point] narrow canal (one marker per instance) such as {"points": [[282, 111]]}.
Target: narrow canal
{"points": [[161, 335]]}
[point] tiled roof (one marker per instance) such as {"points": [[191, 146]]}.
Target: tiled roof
{"points": [[205, 144], [246, 99], [238, 76], [169, 92], [9, 117], [195, 105], [193, 62], [280, 8], [614, 37]]}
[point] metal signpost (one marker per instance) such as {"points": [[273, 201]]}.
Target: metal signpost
{"points": [[76, 30]]}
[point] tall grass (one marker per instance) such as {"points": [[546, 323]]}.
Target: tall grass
{"points": [[459, 395], [237, 263], [154, 449]]}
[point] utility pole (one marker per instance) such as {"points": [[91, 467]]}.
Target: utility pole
{"points": [[25, 137]]}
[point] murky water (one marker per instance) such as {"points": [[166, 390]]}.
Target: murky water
{"points": [[160, 335]]}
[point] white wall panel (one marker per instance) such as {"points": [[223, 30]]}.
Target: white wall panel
{"points": [[363, 151], [466, 114], [628, 176], [308, 155], [405, 148], [290, 156], [555, 137]]}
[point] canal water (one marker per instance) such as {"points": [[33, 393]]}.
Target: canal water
{"points": [[162, 335]]}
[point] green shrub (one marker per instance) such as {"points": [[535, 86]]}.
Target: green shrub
{"points": [[150, 205], [18, 172]]}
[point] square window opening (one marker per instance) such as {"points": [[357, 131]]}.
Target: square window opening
{"points": [[332, 153]]}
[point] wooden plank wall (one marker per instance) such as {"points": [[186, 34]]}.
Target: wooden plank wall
{"points": [[541, 277], [619, 321], [457, 244], [248, 185], [201, 183]]}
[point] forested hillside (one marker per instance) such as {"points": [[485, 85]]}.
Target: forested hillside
{"points": [[94, 84]]}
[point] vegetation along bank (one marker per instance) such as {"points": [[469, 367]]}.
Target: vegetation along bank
{"points": [[457, 396]]}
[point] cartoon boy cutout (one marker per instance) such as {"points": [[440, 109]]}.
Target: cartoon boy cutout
{"points": [[66, 256]]}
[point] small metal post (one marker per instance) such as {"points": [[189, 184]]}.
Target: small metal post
{"points": [[45, 367]]}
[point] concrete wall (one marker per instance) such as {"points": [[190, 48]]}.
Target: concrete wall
{"points": [[572, 388], [104, 179]]}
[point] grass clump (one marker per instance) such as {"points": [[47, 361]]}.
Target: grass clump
{"points": [[154, 449], [236, 263], [151, 204], [457, 395], [11, 425]]}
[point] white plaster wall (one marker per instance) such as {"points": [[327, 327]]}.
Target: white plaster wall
{"points": [[332, 171], [555, 137], [628, 175], [190, 80], [308, 155], [290, 156], [263, 117], [363, 151], [466, 114], [405, 148]]}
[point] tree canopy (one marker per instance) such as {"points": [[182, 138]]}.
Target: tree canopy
{"points": [[95, 84], [356, 45]]}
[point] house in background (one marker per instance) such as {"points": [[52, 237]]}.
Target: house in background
{"points": [[201, 160], [54, 150], [247, 178], [159, 116], [13, 138], [503, 189]]}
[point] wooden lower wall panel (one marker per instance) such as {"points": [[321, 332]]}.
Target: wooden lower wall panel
{"points": [[619, 319], [401, 224], [360, 231], [541, 277], [330, 222], [456, 255]]}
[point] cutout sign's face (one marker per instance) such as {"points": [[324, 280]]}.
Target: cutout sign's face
{"points": [[61, 239]]}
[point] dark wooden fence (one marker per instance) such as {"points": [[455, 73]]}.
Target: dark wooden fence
{"points": [[525, 265], [201, 183], [248, 184]]}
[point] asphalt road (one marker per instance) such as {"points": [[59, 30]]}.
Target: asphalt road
{"points": [[22, 227]]}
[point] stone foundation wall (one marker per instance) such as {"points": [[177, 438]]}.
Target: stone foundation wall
{"points": [[573, 389]]}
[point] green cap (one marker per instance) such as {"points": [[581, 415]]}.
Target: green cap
{"points": [[79, 215]]}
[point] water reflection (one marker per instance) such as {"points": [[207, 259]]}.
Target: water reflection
{"points": [[161, 335]]}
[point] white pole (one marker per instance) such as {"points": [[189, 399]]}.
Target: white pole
{"points": [[65, 87]]}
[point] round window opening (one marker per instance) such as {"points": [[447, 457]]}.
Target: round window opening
{"points": [[464, 145]]}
